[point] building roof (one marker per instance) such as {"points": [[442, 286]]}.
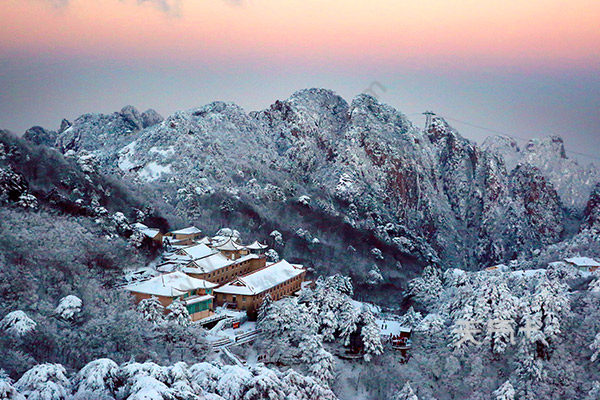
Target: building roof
{"points": [[139, 226], [583, 261], [256, 245], [263, 279], [151, 233], [230, 245], [197, 299], [197, 251], [170, 285], [186, 231], [168, 267], [213, 263], [204, 240]]}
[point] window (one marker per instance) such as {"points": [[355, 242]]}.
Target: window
{"points": [[243, 298]]}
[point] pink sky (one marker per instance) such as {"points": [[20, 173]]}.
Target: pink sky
{"points": [[533, 33], [528, 67]]}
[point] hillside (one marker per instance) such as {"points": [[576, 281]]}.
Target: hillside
{"points": [[419, 196]]}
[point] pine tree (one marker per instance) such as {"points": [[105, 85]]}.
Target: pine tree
{"points": [[322, 366], [406, 393], [178, 313], [411, 318], [328, 326], [348, 322], [17, 323], [68, 307], [371, 338], [263, 310], [505, 392], [152, 310], [99, 377], [44, 381], [7, 391], [428, 287], [595, 347]]}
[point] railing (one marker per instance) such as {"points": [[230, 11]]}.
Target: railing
{"points": [[242, 338]]}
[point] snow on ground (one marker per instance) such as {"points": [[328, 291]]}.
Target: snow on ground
{"points": [[528, 273], [231, 333], [163, 152], [389, 327], [152, 171], [358, 305], [125, 164]]}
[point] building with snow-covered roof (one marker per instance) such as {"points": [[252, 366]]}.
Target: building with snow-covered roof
{"points": [[247, 292], [196, 252], [583, 263], [150, 233], [190, 234], [196, 294], [219, 269], [257, 248], [231, 249]]}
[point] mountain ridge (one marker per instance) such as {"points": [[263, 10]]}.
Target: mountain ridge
{"points": [[363, 161]]}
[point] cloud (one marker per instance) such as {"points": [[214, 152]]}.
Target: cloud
{"points": [[58, 3], [170, 7], [236, 3]]}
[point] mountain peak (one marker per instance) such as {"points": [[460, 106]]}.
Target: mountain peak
{"points": [[553, 145]]}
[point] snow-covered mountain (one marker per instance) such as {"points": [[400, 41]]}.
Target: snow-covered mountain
{"points": [[573, 182], [433, 193]]}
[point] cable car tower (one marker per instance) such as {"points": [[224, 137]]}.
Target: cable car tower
{"points": [[428, 116]]}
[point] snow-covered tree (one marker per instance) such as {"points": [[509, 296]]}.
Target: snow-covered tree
{"points": [[99, 377], [371, 338], [321, 366], [594, 393], [68, 307], [595, 347], [542, 313], [505, 392], [7, 390], [43, 382], [272, 255], [498, 309], [375, 252], [136, 239], [594, 286], [17, 323], [233, 382], [265, 384], [428, 287], [152, 310], [300, 387], [263, 310], [178, 313], [320, 362], [432, 323], [329, 325], [348, 322], [374, 276], [411, 318], [304, 200], [277, 237], [406, 393]]}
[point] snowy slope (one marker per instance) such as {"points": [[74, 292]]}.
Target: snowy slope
{"points": [[433, 194]]}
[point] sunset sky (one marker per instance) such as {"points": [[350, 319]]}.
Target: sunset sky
{"points": [[530, 68]]}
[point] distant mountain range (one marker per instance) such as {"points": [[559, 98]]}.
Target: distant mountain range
{"points": [[374, 179]]}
